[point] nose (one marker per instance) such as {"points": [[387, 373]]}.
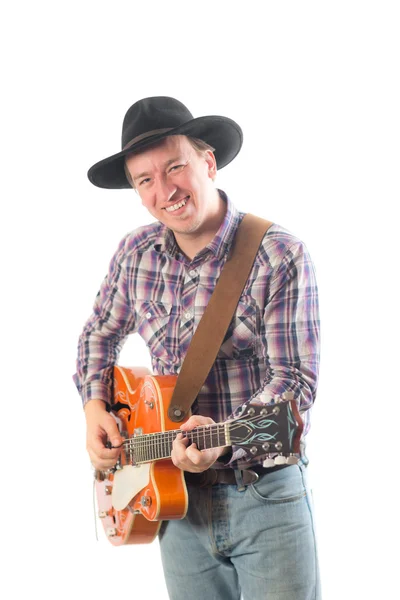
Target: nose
{"points": [[165, 190]]}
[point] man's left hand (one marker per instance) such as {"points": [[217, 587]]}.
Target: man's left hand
{"points": [[188, 457]]}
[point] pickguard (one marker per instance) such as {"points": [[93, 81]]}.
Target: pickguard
{"points": [[128, 482]]}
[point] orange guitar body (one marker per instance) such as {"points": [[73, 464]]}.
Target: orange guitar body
{"points": [[145, 487], [140, 405]]}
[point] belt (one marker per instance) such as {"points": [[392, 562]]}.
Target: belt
{"points": [[228, 477]]}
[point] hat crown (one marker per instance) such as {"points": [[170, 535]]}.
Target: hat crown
{"points": [[149, 114]]}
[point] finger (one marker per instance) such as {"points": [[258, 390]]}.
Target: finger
{"points": [[111, 429], [108, 454], [96, 443], [194, 456], [99, 463], [196, 421], [188, 458], [178, 454], [201, 460], [180, 444], [96, 447]]}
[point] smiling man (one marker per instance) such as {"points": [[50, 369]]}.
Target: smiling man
{"points": [[180, 191], [249, 528]]}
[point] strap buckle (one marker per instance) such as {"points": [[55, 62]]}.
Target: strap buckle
{"points": [[249, 476]]}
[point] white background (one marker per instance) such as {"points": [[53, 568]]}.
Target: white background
{"points": [[315, 87]]}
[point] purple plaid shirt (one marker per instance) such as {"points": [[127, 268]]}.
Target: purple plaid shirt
{"points": [[271, 345]]}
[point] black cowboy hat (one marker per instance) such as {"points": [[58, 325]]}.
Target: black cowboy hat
{"points": [[152, 119]]}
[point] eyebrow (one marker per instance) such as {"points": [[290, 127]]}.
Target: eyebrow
{"points": [[166, 164]]}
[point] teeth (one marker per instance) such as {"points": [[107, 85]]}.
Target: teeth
{"points": [[176, 206]]}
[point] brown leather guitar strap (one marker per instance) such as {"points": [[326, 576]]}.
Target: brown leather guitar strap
{"points": [[214, 323]]}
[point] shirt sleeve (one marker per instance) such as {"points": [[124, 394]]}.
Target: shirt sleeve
{"points": [[291, 321], [104, 333]]}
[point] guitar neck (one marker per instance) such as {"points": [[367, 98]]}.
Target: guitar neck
{"points": [[156, 446]]}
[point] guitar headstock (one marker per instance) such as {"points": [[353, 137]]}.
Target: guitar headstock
{"points": [[268, 429]]}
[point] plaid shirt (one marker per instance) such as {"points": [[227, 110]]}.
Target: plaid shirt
{"points": [[271, 345]]}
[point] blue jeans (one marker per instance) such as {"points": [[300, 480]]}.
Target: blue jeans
{"points": [[259, 542]]}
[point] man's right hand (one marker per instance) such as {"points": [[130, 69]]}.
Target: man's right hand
{"points": [[101, 427]]}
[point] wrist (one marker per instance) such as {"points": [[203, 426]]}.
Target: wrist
{"points": [[95, 405]]}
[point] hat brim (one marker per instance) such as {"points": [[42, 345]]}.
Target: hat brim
{"points": [[221, 133]]}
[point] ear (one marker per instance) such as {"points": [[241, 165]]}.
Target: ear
{"points": [[211, 164]]}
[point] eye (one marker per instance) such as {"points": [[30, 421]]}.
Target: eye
{"points": [[144, 181], [176, 167]]}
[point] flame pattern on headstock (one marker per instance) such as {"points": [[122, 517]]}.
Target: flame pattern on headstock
{"points": [[264, 429]]}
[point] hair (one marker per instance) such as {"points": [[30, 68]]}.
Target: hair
{"points": [[200, 146]]}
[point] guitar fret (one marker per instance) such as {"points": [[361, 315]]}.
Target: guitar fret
{"points": [[156, 446], [143, 449], [196, 437], [148, 449]]}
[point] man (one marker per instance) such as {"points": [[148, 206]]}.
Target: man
{"points": [[251, 530]]}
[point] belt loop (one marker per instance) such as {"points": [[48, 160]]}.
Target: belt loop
{"points": [[239, 480]]}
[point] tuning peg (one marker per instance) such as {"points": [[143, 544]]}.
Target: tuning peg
{"points": [[268, 462], [292, 460], [280, 460]]}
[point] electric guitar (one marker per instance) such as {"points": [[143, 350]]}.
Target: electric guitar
{"points": [[145, 487]]}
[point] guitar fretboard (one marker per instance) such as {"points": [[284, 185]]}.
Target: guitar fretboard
{"points": [[156, 446]]}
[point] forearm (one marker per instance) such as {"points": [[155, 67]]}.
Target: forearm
{"points": [[300, 377], [97, 355], [291, 326], [100, 342]]}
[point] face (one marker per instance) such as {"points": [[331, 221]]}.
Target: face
{"points": [[175, 184]]}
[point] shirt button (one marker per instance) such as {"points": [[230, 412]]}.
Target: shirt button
{"points": [[148, 315], [192, 273], [187, 315]]}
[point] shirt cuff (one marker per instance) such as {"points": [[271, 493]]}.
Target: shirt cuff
{"points": [[95, 390]]}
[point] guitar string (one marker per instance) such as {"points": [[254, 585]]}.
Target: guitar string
{"points": [[157, 438], [234, 424], [201, 431], [149, 445], [159, 445]]}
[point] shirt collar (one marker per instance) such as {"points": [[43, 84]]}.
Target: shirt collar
{"points": [[219, 245], [222, 240]]}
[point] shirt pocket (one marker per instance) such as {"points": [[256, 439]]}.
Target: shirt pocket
{"points": [[153, 325], [241, 336]]}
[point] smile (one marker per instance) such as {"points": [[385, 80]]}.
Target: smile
{"points": [[177, 205]]}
